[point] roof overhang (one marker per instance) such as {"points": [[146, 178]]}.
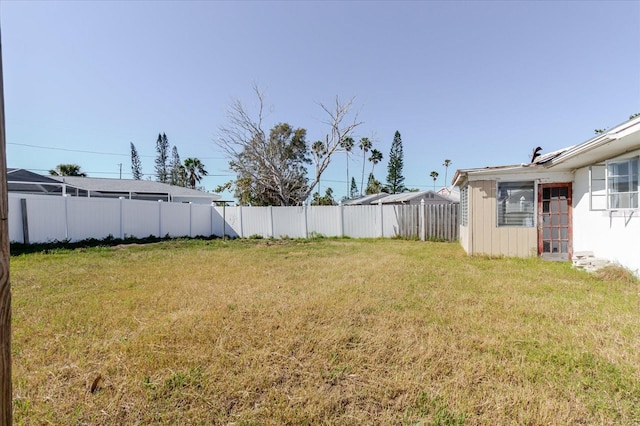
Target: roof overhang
{"points": [[464, 175], [617, 141]]}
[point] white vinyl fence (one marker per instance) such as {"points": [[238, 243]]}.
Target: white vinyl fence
{"points": [[39, 219]]}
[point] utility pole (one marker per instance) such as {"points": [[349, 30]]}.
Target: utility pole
{"points": [[120, 164], [5, 284]]}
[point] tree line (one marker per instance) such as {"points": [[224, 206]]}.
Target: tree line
{"points": [[279, 167], [170, 170]]}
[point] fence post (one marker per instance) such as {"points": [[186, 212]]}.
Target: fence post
{"points": [[121, 217], [66, 217], [381, 222], [224, 221], [306, 222], [271, 222], [240, 221], [190, 220], [429, 221], [341, 219], [211, 215], [422, 220], [25, 220], [159, 218]]}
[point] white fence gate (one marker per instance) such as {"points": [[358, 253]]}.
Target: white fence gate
{"points": [[40, 219]]}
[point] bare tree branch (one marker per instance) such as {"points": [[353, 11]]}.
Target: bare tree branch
{"points": [[271, 168], [340, 128]]}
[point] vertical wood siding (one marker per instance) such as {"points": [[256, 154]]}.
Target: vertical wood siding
{"points": [[485, 237]]}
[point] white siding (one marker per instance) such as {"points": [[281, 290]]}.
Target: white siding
{"points": [[611, 235]]}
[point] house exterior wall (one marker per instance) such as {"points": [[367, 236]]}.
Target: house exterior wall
{"points": [[613, 235], [464, 238], [485, 237]]}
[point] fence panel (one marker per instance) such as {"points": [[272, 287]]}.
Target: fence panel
{"points": [[141, 219], [407, 219], [256, 221], [47, 219], [442, 221], [174, 219], [201, 220], [92, 218], [15, 219], [361, 221], [389, 221], [289, 222], [58, 218], [227, 221], [324, 220]]}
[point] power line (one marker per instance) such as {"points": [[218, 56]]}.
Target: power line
{"points": [[95, 152], [116, 173], [70, 150]]}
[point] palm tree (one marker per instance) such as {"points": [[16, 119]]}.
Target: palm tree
{"points": [[319, 150], [375, 158], [347, 144], [194, 170], [67, 170], [434, 175], [365, 146], [446, 165]]}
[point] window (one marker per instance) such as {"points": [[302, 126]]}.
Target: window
{"points": [[614, 185], [622, 184], [515, 204], [464, 205]]}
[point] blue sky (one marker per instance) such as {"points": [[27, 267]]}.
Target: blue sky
{"points": [[480, 83]]}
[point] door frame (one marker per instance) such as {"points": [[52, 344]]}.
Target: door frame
{"points": [[559, 256]]}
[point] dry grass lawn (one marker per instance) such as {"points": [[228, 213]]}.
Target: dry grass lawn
{"points": [[334, 332]]}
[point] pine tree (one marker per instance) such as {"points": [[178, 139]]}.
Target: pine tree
{"points": [[176, 169], [354, 189], [136, 164], [373, 185], [395, 179], [162, 150]]}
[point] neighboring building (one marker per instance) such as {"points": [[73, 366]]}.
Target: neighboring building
{"points": [[24, 181], [452, 192], [412, 198], [581, 198], [366, 200], [429, 197]]}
